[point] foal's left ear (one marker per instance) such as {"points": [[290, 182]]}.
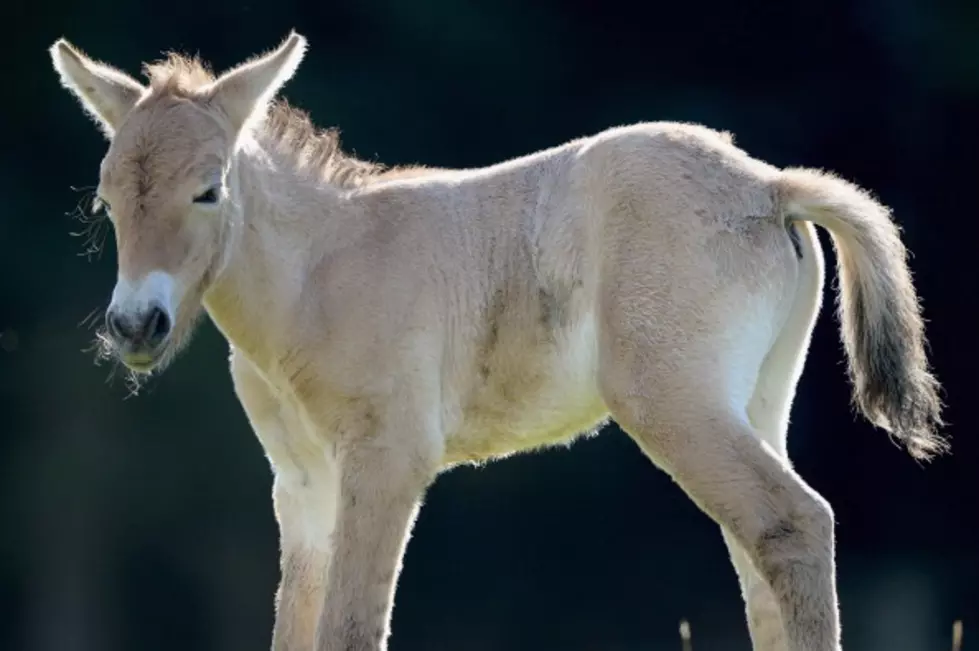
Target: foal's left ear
{"points": [[106, 93], [244, 92]]}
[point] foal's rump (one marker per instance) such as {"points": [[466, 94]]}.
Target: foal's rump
{"points": [[698, 272], [701, 263]]}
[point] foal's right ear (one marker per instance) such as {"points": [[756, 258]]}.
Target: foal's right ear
{"points": [[107, 94]]}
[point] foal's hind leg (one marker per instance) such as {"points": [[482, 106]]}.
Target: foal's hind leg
{"points": [[762, 607], [681, 397], [768, 412]]}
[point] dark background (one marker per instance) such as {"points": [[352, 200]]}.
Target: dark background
{"points": [[145, 523]]}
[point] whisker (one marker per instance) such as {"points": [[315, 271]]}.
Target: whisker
{"points": [[92, 319], [95, 227]]}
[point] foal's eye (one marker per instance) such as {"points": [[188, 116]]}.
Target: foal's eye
{"points": [[210, 195]]}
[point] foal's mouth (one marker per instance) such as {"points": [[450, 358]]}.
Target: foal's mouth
{"points": [[141, 362]]}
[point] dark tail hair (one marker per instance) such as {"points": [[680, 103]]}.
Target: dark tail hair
{"points": [[880, 319]]}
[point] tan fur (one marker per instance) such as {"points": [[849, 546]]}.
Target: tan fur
{"points": [[386, 325]]}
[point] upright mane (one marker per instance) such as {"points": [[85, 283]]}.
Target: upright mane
{"points": [[286, 131]]}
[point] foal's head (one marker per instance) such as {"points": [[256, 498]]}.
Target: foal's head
{"points": [[167, 183]]}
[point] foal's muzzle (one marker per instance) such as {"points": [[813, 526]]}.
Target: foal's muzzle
{"points": [[139, 336]]}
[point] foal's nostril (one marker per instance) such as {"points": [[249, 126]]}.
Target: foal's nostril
{"points": [[116, 326], [157, 325], [147, 329]]}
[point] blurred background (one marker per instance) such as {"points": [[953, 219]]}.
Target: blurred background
{"points": [[145, 523]]}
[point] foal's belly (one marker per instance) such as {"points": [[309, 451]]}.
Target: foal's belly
{"points": [[546, 397]]}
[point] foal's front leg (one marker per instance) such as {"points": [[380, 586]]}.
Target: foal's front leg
{"points": [[306, 515], [304, 494], [383, 475]]}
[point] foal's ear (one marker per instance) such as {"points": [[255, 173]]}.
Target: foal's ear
{"points": [[106, 93], [244, 92]]}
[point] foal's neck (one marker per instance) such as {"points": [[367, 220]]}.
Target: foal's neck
{"points": [[289, 223]]}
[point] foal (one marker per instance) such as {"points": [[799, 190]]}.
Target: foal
{"points": [[385, 325]]}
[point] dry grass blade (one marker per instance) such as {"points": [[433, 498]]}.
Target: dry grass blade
{"points": [[685, 635], [688, 646]]}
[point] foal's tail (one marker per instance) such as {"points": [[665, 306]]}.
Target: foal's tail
{"points": [[880, 319]]}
